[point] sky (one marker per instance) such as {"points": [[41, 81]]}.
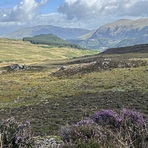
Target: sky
{"points": [[89, 14]]}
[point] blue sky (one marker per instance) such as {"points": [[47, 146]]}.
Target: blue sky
{"points": [[51, 5], [89, 14]]}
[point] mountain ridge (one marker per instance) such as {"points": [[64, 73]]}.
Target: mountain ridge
{"points": [[116, 34], [120, 33], [122, 28], [65, 33]]}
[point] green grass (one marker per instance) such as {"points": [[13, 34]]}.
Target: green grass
{"points": [[24, 52], [50, 102]]}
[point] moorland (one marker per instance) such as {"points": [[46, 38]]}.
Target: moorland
{"points": [[64, 85]]}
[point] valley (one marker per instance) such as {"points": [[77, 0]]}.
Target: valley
{"points": [[121, 33]]}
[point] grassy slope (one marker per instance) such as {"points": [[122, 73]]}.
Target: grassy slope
{"points": [[49, 102], [25, 52]]}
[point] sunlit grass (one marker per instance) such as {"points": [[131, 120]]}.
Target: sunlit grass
{"points": [[27, 53], [40, 85]]}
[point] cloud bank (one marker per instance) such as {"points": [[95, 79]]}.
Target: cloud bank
{"points": [[81, 9], [26, 10]]}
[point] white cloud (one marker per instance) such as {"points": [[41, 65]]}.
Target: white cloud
{"points": [[24, 11], [82, 9], [139, 9], [57, 19]]}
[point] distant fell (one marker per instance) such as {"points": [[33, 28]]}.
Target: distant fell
{"points": [[117, 34], [65, 33], [122, 29]]}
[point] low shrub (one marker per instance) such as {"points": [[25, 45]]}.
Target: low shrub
{"points": [[133, 129], [106, 117], [107, 128], [15, 134]]}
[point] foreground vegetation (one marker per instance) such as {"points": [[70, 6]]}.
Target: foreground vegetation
{"points": [[49, 101], [104, 128], [51, 93]]}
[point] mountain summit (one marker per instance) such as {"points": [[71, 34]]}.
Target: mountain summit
{"points": [[122, 29]]}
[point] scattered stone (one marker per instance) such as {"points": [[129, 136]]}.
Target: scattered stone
{"points": [[98, 66], [48, 142], [17, 67], [62, 68]]}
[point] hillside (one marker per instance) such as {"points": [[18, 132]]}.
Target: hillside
{"points": [[50, 39], [143, 48], [95, 44], [123, 29], [65, 33], [117, 34], [51, 90], [18, 51]]}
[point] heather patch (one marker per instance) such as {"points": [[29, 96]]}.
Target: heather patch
{"points": [[103, 131], [15, 134]]}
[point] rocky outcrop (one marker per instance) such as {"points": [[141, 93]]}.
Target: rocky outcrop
{"points": [[98, 66], [17, 67]]}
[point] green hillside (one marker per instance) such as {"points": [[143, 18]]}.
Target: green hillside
{"points": [[17, 51], [141, 48], [50, 39]]}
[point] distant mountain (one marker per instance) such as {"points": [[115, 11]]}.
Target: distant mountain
{"points": [[117, 34], [123, 29], [65, 33], [50, 39], [97, 44]]}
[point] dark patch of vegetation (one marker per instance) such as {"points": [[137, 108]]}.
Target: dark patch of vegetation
{"points": [[51, 40], [143, 48]]}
